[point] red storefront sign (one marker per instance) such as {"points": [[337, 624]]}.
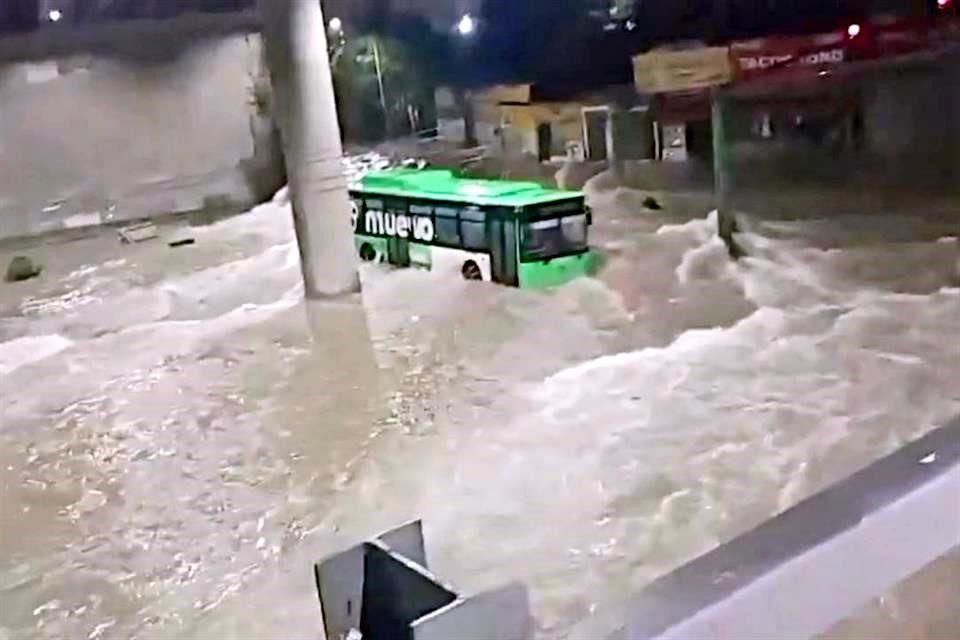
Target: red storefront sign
{"points": [[892, 37], [788, 55], [884, 37], [802, 59]]}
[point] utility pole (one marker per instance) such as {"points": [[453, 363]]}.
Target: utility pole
{"points": [[464, 100], [296, 46], [720, 103], [726, 219]]}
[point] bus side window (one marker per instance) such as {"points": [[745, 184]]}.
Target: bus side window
{"points": [[396, 206], [473, 228], [447, 231]]}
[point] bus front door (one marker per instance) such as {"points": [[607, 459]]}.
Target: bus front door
{"points": [[398, 249], [503, 249], [398, 252]]}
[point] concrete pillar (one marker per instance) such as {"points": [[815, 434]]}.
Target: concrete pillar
{"points": [[296, 42]]}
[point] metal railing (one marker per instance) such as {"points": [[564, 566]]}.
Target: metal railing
{"points": [[792, 578]]}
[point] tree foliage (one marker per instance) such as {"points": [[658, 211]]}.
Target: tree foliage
{"points": [[408, 75]]}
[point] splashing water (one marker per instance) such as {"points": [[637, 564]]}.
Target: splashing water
{"points": [[183, 437]]}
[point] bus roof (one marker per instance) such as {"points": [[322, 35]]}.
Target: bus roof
{"points": [[440, 184]]}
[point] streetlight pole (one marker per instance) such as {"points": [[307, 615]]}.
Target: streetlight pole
{"points": [[383, 94], [465, 29], [296, 46], [726, 219]]}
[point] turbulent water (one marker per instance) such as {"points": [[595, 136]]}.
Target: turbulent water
{"points": [[182, 437]]}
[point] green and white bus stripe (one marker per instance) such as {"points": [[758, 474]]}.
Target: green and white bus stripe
{"points": [[515, 233]]}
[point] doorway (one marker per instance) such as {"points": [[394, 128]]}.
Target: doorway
{"points": [[544, 141], [503, 249], [595, 132]]}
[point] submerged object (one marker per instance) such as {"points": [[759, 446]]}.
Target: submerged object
{"points": [[22, 268], [651, 203]]}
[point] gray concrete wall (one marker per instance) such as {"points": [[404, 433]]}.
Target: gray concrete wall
{"points": [[911, 119], [131, 121]]}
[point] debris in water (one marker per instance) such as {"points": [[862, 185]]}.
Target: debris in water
{"points": [[139, 233], [651, 203], [91, 501], [22, 268], [182, 243], [53, 605], [99, 630]]}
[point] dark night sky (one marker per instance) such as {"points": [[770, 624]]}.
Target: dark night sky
{"points": [[554, 41], [532, 19], [23, 15], [562, 42]]}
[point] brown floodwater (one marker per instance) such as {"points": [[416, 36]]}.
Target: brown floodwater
{"points": [[182, 437]]}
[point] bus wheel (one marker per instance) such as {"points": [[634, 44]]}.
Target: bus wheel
{"points": [[471, 271], [367, 253]]}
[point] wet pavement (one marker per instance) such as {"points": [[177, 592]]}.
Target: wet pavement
{"points": [[182, 436]]}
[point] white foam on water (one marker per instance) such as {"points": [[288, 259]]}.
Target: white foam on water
{"points": [[28, 349], [602, 305], [683, 447], [622, 467]]}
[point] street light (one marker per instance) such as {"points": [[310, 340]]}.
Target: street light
{"points": [[336, 25], [55, 15], [853, 30], [467, 25]]}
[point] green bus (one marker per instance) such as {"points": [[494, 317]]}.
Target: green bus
{"points": [[514, 233]]}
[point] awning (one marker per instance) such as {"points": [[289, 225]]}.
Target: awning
{"points": [[784, 68]]}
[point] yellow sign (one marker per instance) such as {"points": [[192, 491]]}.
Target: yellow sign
{"points": [[666, 71], [512, 93]]}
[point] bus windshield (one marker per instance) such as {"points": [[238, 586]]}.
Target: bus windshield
{"points": [[555, 237]]}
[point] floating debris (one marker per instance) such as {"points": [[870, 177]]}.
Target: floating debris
{"points": [[651, 203], [139, 233], [22, 268]]}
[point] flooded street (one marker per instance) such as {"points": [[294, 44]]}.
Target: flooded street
{"points": [[182, 437]]}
